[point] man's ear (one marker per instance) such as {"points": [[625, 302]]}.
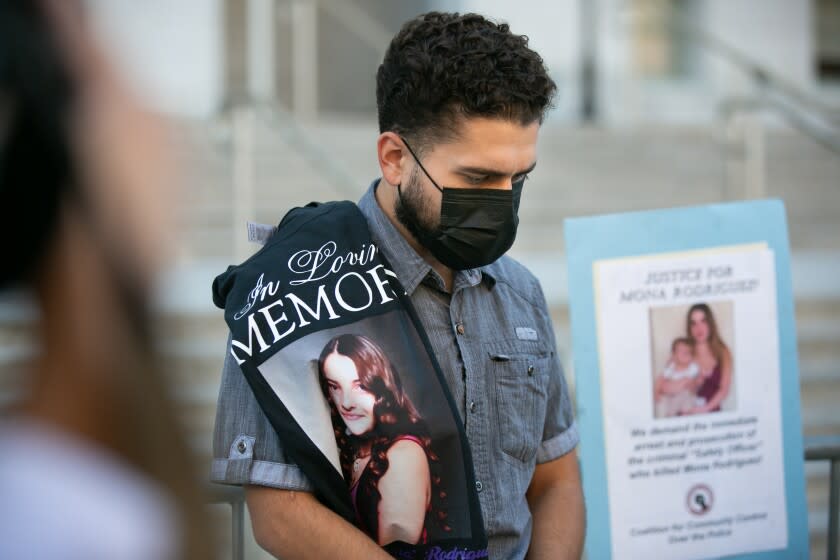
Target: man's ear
{"points": [[391, 153]]}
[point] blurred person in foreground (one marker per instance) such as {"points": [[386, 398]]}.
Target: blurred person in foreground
{"points": [[92, 465], [460, 102]]}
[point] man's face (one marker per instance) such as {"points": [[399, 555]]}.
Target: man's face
{"points": [[488, 153]]}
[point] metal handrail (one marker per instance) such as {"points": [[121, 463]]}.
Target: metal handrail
{"points": [[827, 448], [824, 136], [799, 102], [283, 123], [817, 448], [322, 161], [235, 497], [759, 74], [367, 28]]}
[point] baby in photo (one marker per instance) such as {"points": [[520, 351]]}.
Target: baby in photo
{"points": [[675, 390]]}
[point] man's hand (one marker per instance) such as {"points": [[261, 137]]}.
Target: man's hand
{"points": [[292, 525], [556, 501]]}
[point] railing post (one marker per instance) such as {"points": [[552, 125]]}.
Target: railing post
{"points": [[588, 60], [243, 178], [833, 505], [238, 530], [235, 497], [746, 160], [260, 50], [755, 182], [827, 448], [304, 58]]}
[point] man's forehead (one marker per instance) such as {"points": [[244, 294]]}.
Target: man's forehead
{"points": [[491, 143]]}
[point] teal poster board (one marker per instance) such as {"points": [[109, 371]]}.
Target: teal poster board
{"points": [[687, 383]]}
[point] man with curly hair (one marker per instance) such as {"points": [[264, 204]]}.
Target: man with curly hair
{"points": [[460, 102]]}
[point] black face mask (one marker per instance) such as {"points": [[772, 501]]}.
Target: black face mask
{"points": [[477, 226]]}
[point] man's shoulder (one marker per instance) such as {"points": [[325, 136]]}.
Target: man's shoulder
{"points": [[510, 272]]}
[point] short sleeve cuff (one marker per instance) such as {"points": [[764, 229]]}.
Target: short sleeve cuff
{"points": [[261, 473], [559, 445]]}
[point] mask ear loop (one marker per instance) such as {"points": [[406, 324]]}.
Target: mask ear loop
{"points": [[420, 164]]}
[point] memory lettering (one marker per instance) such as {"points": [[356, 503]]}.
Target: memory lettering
{"points": [[280, 318]]}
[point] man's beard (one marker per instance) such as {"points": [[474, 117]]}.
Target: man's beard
{"points": [[412, 211]]}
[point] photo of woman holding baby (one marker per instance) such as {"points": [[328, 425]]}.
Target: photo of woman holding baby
{"points": [[384, 445], [697, 375]]}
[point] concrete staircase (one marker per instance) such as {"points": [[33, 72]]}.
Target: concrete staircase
{"points": [[580, 171]]}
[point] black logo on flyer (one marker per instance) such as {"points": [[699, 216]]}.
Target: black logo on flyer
{"points": [[700, 499]]}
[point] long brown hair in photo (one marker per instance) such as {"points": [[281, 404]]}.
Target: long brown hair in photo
{"points": [[718, 346], [395, 415]]}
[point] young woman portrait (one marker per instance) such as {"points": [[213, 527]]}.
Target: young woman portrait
{"points": [[712, 355], [384, 445]]}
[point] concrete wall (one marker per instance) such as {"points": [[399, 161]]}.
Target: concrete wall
{"points": [[170, 51], [188, 58], [348, 62]]}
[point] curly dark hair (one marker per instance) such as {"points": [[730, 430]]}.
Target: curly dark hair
{"points": [[442, 66], [395, 417]]}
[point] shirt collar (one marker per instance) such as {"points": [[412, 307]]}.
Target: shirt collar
{"points": [[409, 267]]}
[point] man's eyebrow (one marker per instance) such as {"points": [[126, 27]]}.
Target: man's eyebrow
{"points": [[492, 173]]}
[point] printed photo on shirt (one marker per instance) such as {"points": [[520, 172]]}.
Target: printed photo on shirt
{"points": [[356, 394], [691, 354]]}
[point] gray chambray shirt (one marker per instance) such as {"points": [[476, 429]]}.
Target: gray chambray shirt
{"points": [[495, 343]]}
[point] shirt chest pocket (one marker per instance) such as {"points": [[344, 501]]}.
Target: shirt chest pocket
{"points": [[521, 381]]}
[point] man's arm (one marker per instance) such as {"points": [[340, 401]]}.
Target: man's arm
{"points": [[292, 525], [556, 501]]}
